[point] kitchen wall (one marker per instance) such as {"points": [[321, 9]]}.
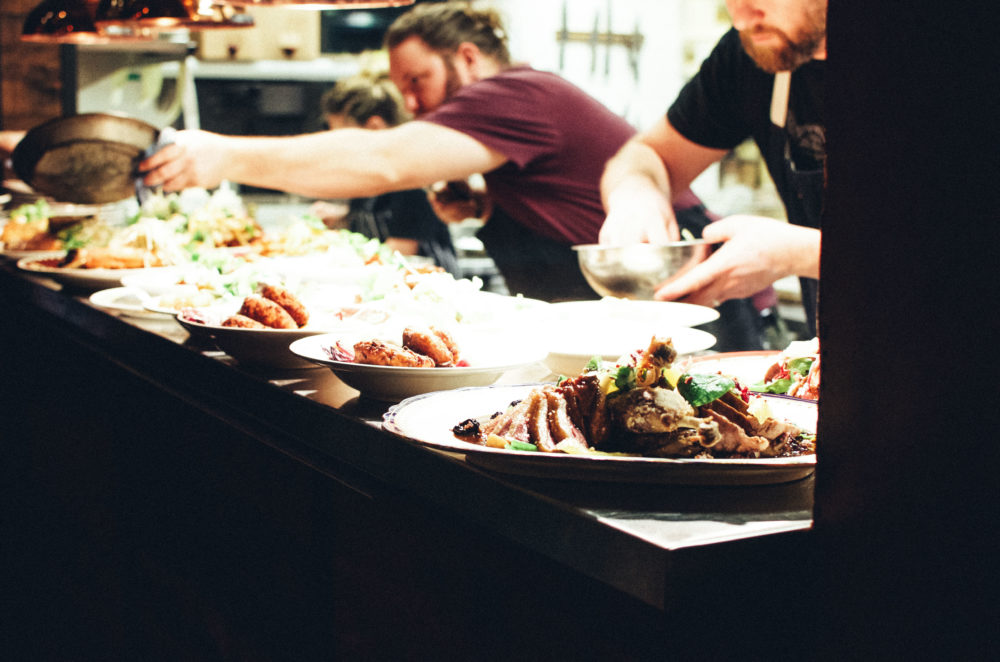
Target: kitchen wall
{"points": [[29, 73]]}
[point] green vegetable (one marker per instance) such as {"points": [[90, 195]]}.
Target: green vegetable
{"points": [[700, 389], [778, 386], [625, 378], [801, 365], [593, 364], [521, 446]]}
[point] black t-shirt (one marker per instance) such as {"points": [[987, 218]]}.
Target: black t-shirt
{"points": [[729, 100]]}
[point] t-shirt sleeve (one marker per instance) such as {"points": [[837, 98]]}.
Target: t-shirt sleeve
{"points": [[510, 117], [710, 109]]}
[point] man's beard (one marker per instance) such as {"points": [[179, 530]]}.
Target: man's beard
{"points": [[789, 54], [452, 83]]}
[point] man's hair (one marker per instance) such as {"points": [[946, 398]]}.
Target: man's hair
{"points": [[364, 96], [444, 26]]}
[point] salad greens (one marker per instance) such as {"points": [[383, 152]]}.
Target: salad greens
{"points": [[701, 389]]}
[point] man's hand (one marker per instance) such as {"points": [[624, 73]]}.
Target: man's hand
{"points": [[638, 212], [754, 253], [194, 159]]}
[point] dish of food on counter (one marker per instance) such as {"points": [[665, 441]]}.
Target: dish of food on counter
{"points": [[634, 419], [36, 227], [388, 364], [261, 329], [640, 406]]}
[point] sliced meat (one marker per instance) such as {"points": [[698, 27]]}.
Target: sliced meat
{"points": [[734, 439], [561, 426]]}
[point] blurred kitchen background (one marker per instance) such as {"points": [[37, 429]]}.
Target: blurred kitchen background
{"points": [[633, 55]]}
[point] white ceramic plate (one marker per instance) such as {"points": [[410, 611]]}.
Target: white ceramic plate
{"points": [[90, 279], [571, 357], [428, 419], [488, 361], [576, 331], [262, 347], [748, 367], [128, 301]]}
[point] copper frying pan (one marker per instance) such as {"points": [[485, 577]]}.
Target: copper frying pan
{"points": [[90, 158]]}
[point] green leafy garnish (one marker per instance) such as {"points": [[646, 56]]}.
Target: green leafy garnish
{"points": [[625, 378], [778, 386], [700, 389], [593, 364], [801, 365]]}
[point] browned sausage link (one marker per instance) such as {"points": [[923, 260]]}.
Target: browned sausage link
{"points": [[380, 352], [242, 322], [425, 342], [267, 313], [286, 300], [449, 342]]}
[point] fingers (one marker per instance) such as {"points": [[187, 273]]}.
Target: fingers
{"points": [[698, 286]]}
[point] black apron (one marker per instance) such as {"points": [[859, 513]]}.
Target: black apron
{"points": [[803, 197]]}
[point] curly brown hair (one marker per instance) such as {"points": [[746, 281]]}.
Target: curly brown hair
{"points": [[444, 26]]}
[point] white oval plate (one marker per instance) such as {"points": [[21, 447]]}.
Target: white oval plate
{"points": [[92, 279], [262, 347], [573, 359], [487, 363], [428, 419], [128, 301]]}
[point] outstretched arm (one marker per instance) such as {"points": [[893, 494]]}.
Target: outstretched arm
{"points": [[346, 163]]}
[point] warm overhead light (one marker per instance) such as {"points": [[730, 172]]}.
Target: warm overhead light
{"points": [[172, 14], [60, 21], [323, 4]]}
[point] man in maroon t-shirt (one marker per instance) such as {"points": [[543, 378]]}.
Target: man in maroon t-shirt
{"points": [[540, 142]]}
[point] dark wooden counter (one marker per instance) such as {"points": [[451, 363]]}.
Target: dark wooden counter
{"points": [[165, 500]]}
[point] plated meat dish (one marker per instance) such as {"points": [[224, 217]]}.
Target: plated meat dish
{"points": [[641, 406], [274, 308], [421, 348]]}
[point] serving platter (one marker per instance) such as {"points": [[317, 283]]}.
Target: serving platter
{"points": [[487, 364], [88, 279], [428, 419], [128, 301], [261, 347], [748, 367], [576, 331]]}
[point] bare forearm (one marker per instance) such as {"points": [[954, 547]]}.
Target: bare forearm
{"points": [[636, 165], [332, 165]]}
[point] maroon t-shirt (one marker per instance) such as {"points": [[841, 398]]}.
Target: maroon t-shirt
{"points": [[557, 140]]}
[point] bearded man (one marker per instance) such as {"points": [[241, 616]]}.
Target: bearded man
{"points": [[762, 81]]}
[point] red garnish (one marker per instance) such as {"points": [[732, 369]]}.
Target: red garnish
{"points": [[337, 352]]}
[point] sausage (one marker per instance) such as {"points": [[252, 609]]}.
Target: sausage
{"points": [[242, 322], [267, 313], [286, 300], [380, 352], [430, 344]]}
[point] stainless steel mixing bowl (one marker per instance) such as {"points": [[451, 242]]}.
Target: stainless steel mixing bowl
{"points": [[636, 271]]}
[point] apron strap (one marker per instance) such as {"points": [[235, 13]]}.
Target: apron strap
{"points": [[779, 98]]}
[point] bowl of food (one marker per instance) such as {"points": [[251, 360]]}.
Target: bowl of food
{"points": [[635, 271]]}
